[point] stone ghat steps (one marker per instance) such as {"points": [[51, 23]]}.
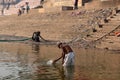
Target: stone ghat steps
{"points": [[64, 19], [112, 22], [111, 38], [48, 24], [107, 28], [99, 34], [109, 45]]}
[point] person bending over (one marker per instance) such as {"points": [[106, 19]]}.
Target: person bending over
{"points": [[67, 55], [37, 37]]}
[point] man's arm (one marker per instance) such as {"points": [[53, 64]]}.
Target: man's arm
{"points": [[42, 38], [61, 57], [63, 54], [57, 59]]}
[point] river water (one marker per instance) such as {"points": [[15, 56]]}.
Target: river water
{"points": [[20, 61]]}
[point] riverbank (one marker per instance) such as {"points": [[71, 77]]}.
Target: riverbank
{"points": [[75, 26]]}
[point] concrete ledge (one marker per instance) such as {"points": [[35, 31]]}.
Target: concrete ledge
{"points": [[60, 5], [64, 8]]}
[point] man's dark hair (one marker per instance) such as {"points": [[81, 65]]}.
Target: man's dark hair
{"points": [[59, 45], [38, 33]]}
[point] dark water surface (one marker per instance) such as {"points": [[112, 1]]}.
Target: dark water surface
{"points": [[20, 61]]}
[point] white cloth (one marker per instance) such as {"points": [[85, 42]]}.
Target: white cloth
{"points": [[69, 59], [50, 62]]}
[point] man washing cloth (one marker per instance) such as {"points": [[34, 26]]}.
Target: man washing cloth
{"points": [[67, 55]]}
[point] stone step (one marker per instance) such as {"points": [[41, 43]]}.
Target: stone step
{"points": [[112, 22], [115, 19], [112, 39], [100, 34], [105, 31], [109, 45], [110, 26]]}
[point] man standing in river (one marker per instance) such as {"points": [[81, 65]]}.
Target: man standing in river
{"points": [[67, 55], [37, 37]]}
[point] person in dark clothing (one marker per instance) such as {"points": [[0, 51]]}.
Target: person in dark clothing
{"points": [[2, 11], [41, 1], [76, 4], [8, 6], [19, 12], [27, 7], [36, 37], [22, 9]]}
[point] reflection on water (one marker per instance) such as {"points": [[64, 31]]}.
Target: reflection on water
{"points": [[35, 48], [20, 61], [68, 72], [55, 72]]}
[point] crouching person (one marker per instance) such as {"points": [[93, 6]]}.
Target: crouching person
{"points": [[67, 55], [37, 37]]}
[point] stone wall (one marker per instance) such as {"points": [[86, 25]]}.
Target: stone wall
{"points": [[102, 4], [56, 5]]}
